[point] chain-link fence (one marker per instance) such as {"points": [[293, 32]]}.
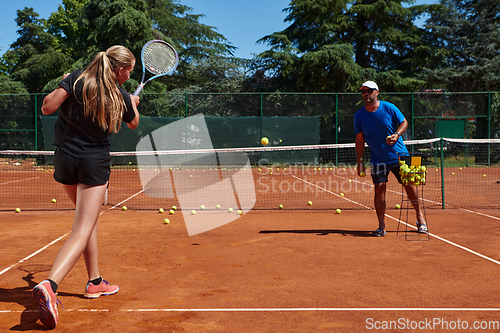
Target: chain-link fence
{"points": [[237, 120]]}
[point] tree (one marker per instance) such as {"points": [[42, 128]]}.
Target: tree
{"points": [[32, 59], [468, 37], [331, 45]]}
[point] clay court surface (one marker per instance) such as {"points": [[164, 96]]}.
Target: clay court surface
{"points": [[268, 271]]}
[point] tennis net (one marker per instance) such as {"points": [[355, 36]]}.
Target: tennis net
{"points": [[460, 173]]}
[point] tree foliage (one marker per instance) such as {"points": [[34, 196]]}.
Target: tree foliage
{"points": [[73, 34], [467, 33], [332, 45], [329, 45]]}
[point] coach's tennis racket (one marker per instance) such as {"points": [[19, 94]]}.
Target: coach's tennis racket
{"points": [[158, 58]]}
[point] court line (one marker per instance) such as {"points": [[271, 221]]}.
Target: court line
{"points": [[20, 180], [431, 201], [58, 239], [271, 310], [404, 223], [34, 253], [118, 204]]}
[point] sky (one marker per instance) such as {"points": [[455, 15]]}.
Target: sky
{"points": [[241, 22]]}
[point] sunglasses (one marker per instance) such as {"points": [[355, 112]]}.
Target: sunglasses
{"points": [[369, 91]]}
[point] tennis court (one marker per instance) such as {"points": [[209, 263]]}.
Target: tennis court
{"points": [[300, 268]]}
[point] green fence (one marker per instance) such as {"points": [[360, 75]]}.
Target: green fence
{"points": [[429, 114]]}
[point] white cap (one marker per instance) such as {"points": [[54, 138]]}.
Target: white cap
{"points": [[370, 84]]}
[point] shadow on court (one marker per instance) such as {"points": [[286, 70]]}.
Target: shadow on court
{"points": [[24, 297], [322, 232]]}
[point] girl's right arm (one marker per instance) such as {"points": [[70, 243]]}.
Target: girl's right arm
{"points": [[53, 101]]}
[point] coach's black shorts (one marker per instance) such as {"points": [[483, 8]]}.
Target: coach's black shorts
{"points": [[380, 173], [88, 171]]}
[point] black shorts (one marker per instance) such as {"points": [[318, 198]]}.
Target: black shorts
{"points": [[88, 171], [380, 173]]}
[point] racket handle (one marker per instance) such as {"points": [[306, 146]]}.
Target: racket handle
{"points": [[138, 90]]}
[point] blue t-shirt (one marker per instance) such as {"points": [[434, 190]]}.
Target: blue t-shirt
{"points": [[376, 126]]}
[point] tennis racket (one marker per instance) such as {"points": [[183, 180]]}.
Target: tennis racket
{"points": [[159, 58]]}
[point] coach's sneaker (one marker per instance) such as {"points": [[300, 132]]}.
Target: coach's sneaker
{"points": [[102, 289], [422, 228], [47, 302]]}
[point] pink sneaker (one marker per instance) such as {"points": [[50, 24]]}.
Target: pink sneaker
{"points": [[47, 302], [103, 289]]}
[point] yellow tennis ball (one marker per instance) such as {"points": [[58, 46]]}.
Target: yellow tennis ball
{"points": [[240, 211], [310, 203], [230, 210], [398, 206], [124, 208], [362, 174], [161, 210], [281, 206], [193, 212], [172, 212], [350, 181], [174, 207], [388, 137], [341, 194], [166, 221], [264, 141], [18, 210], [202, 207], [217, 206], [54, 200], [484, 176], [338, 211]]}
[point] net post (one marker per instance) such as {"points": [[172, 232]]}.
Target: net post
{"points": [[35, 118], [442, 173]]}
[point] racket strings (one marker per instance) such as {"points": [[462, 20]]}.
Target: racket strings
{"points": [[159, 58]]}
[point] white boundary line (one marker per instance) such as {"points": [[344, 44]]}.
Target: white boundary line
{"points": [[404, 223], [272, 310], [34, 253], [58, 239], [20, 180]]}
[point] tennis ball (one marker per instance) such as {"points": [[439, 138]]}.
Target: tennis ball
{"points": [[388, 138], [281, 206], [124, 208], [310, 203], [338, 211], [202, 207], [362, 174], [18, 210], [484, 176], [264, 141], [161, 210], [453, 174], [398, 206], [240, 211], [174, 207], [350, 181], [341, 194], [54, 200], [171, 212], [166, 221], [193, 212], [217, 206], [230, 210]]}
